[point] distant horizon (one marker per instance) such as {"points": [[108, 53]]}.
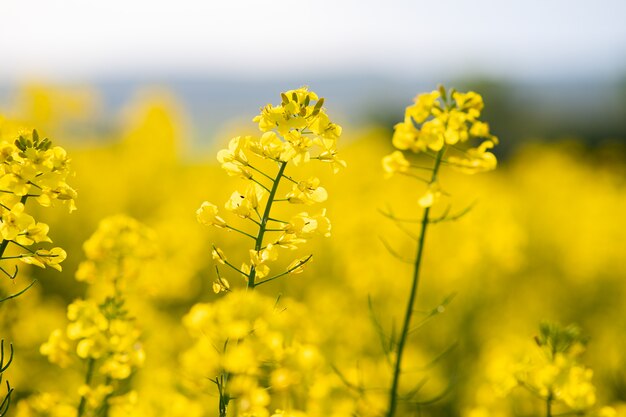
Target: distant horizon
{"points": [[157, 78], [592, 108]]}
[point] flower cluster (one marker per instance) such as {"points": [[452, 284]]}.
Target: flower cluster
{"points": [[553, 373], [442, 125], [31, 168], [296, 131], [107, 339], [295, 128], [116, 254], [101, 331], [262, 348], [57, 405], [45, 404]]}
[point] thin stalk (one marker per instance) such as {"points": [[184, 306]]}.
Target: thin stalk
{"points": [[393, 392], [22, 246], [6, 403], [253, 221], [223, 407], [235, 268], [106, 405], [549, 405], [240, 231], [276, 220], [290, 179], [289, 271], [88, 376], [260, 184], [266, 216], [261, 172], [17, 294], [3, 247], [24, 255]]}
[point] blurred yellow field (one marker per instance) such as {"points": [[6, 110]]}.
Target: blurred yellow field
{"points": [[138, 322]]}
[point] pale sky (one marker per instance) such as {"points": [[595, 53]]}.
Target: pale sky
{"points": [[83, 40]]}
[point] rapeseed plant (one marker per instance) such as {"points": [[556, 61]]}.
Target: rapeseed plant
{"points": [[550, 371], [296, 132], [101, 335], [30, 168], [440, 125], [555, 374]]}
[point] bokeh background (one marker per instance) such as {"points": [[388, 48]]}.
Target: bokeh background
{"points": [[142, 94]]}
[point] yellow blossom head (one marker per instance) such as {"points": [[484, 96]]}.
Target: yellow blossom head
{"points": [[442, 119]]}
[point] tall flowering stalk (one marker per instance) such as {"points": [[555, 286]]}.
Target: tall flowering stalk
{"points": [[30, 169], [295, 132], [101, 335], [441, 126]]}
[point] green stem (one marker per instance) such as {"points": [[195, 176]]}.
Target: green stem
{"points": [[235, 268], [240, 231], [24, 255], [261, 172], [276, 220], [549, 405], [393, 393], [106, 402], [3, 246], [17, 294], [88, 376], [266, 216], [260, 185], [223, 406]]}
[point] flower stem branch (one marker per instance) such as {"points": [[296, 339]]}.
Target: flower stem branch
{"points": [[290, 270], [261, 172], [235, 268], [260, 184], [240, 231], [17, 294]]}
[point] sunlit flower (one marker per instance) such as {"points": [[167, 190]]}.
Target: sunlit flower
{"points": [[395, 162], [308, 192], [207, 215]]}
